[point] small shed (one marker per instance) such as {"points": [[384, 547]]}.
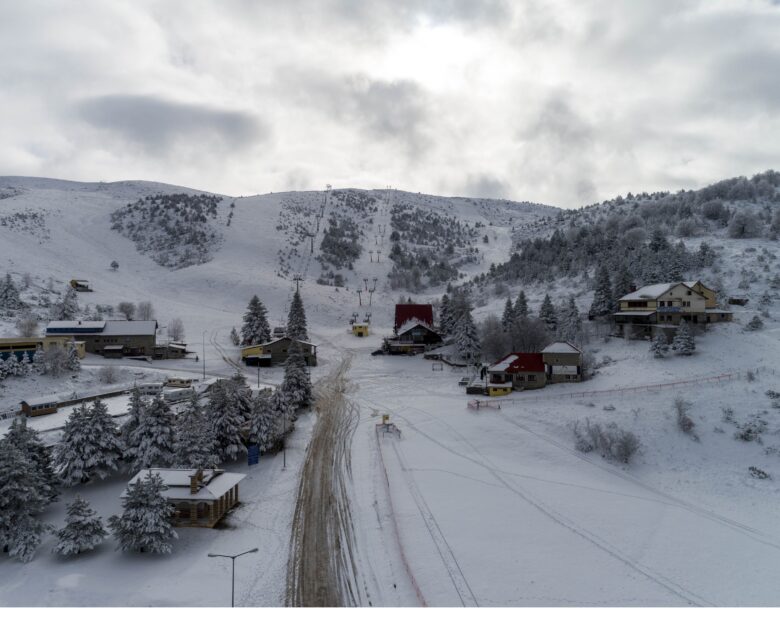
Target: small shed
{"points": [[80, 285], [40, 406], [201, 498]]}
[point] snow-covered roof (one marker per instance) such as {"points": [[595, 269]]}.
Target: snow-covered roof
{"points": [[51, 398], [411, 324], [561, 347], [519, 363], [215, 483], [653, 291], [503, 364], [130, 328]]}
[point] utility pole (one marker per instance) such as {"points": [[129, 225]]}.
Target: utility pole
{"points": [[233, 576], [360, 299], [371, 254], [377, 255]]}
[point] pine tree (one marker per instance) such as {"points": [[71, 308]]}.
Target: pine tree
{"points": [[571, 324], [73, 363], [297, 382], [281, 416], [67, 308], [521, 306], [194, 444], [445, 316], [153, 438], [296, 320], [683, 343], [83, 529], [145, 523], [603, 303], [659, 346], [228, 411], [623, 285], [467, 338], [658, 242], [262, 429], [9, 295], [234, 337], [21, 500], [705, 256], [677, 263], [135, 413], [90, 446], [755, 324], [509, 315], [29, 442], [255, 329], [548, 314]]}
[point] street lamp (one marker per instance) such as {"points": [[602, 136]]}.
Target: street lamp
{"points": [[233, 577], [204, 353]]}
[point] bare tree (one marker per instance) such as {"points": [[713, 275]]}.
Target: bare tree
{"points": [[529, 335], [127, 308], [145, 311], [176, 329], [27, 326], [495, 341]]}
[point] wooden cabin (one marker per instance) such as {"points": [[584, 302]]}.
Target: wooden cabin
{"points": [[40, 406], [201, 498], [275, 352], [80, 285]]}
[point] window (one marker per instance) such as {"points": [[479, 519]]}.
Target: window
{"points": [[637, 304], [531, 377], [688, 292]]}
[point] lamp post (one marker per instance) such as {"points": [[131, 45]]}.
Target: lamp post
{"points": [[233, 577], [204, 353]]}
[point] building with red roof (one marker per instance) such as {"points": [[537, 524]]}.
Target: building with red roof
{"points": [[518, 371], [405, 312]]}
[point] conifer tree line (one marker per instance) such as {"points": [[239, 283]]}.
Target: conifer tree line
{"points": [[92, 447], [256, 329]]}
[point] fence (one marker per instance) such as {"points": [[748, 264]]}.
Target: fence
{"points": [[613, 391]]}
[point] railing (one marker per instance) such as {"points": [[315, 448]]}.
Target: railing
{"points": [[613, 391]]}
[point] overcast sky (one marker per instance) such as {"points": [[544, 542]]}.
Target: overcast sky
{"points": [[556, 102]]}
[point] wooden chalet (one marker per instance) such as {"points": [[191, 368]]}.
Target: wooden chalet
{"points": [[201, 498], [275, 352], [413, 330]]}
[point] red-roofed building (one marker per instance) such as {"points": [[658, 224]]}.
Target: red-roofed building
{"points": [[518, 371], [405, 312]]}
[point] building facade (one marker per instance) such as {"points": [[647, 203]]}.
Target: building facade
{"points": [[275, 352], [562, 362], [110, 338]]}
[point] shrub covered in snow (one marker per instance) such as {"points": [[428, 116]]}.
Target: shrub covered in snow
{"points": [[610, 440]]}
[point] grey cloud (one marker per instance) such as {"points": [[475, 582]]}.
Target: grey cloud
{"points": [[158, 125], [395, 111], [557, 121], [486, 186], [745, 81]]}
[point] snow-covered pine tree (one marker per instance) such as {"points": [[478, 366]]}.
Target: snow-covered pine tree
{"points": [[755, 324], [135, 412], [234, 337], [90, 446], [623, 285], [194, 445], [145, 523], [467, 341], [521, 306], [659, 346], [705, 256], [280, 415], [570, 324], [683, 343], [83, 529], [261, 428], [297, 381], [153, 438], [74, 363], [677, 263], [9, 295], [255, 329], [227, 411], [445, 316], [67, 308], [29, 442], [603, 303], [508, 317], [548, 315], [296, 319], [21, 500], [39, 361]]}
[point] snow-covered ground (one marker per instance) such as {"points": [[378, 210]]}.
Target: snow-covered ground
{"points": [[488, 507]]}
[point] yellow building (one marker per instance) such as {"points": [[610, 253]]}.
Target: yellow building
{"points": [[21, 346], [499, 389], [360, 330]]}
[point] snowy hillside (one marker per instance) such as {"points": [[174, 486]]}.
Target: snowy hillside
{"points": [[489, 507]]}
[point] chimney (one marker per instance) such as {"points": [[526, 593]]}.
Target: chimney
{"points": [[195, 481]]}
